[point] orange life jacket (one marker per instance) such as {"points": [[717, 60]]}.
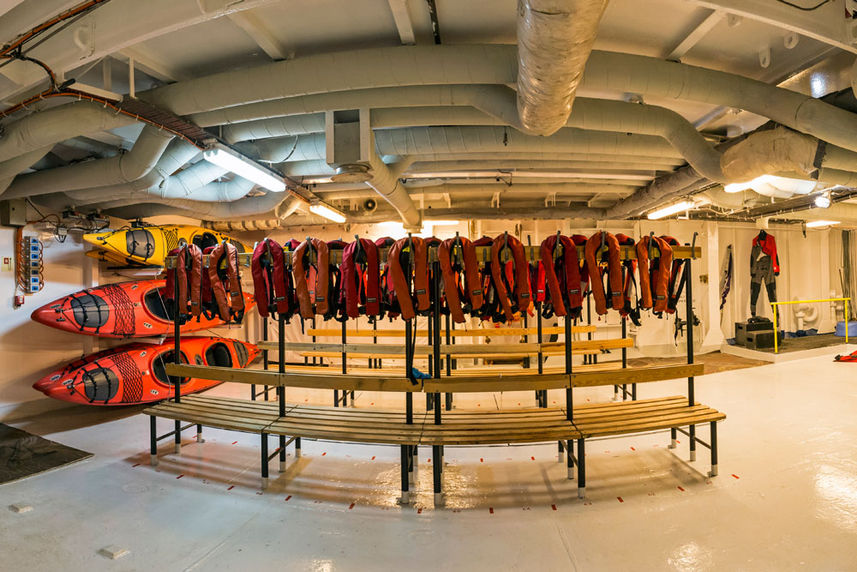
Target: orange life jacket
{"points": [[594, 256], [457, 258], [562, 274], [361, 274], [312, 282], [514, 296], [415, 249], [654, 273], [226, 255]]}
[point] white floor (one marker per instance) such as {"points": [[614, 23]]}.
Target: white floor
{"points": [[786, 497]]}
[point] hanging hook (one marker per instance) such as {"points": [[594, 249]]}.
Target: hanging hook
{"points": [[693, 246]]}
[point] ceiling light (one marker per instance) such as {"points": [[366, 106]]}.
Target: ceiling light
{"points": [[327, 212], [820, 223], [245, 167], [822, 201], [671, 210], [773, 185]]}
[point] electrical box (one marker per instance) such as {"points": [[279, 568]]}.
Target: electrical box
{"points": [[13, 212], [30, 268]]}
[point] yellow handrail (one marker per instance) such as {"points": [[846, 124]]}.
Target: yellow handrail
{"points": [[775, 304]]}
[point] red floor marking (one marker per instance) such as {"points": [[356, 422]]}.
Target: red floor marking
{"points": [[681, 489], [553, 506], [373, 403], [519, 403], [230, 488], [429, 460], [481, 460], [288, 497], [533, 458], [554, 402], [478, 405], [323, 454], [491, 509], [677, 441], [180, 476], [633, 449], [620, 499], [234, 442], [736, 476], [419, 511], [350, 506], [135, 465], [373, 457]]}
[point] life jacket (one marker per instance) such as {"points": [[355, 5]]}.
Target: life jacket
{"points": [[361, 275], [185, 303], [457, 258], [272, 281], [594, 256], [562, 274], [538, 281], [631, 306], [334, 295], [312, 282], [511, 281], [223, 272], [654, 273], [401, 281], [678, 268]]}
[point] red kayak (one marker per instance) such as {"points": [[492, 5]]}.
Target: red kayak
{"points": [[132, 309], [134, 373]]}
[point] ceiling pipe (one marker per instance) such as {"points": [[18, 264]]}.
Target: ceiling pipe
{"points": [[684, 181], [9, 169], [122, 169], [555, 38], [479, 190], [246, 207], [385, 181]]}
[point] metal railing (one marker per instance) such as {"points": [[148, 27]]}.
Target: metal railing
{"points": [[774, 308]]}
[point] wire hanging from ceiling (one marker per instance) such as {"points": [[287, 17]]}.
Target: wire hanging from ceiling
{"points": [[805, 8]]}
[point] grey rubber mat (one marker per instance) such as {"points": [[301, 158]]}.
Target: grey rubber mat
{"points": [[24, 455]]}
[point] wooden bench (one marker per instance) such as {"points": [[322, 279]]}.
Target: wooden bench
{"points": [[539, 425], [475, 333]]}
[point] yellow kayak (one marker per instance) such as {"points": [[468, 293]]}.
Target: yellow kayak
{"points": [[112, 258], [150, 244]]}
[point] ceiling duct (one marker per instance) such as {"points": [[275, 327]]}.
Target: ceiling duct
{"points": [[555, 38]]}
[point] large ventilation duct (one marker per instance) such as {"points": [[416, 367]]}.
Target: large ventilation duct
{"points": [[555, 38], [49, 127], [385, 181], [777, 150], [8, 169], [246, 207], [683, 181], [124, 168]]}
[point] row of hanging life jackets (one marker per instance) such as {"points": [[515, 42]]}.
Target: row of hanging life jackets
{"points": [[500, 290], [213, 292]]}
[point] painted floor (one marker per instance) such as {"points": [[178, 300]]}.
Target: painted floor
{"points": [[786, 497]]}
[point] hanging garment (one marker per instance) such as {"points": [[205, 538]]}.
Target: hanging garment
{"points": [[312, 282], [462, 284], [361, 275], [726, 276], [654, 273], [403, 253], [272, 281], [598, 246], [678, 269], [764, 267], [185, 303], [562, 273], [630, 295], [511, 281], [225, 276]]}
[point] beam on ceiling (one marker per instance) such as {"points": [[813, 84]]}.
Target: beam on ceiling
{"points": [[696, 35], [826, 24], [148, 64], [117, 25], [259, 33], [402, 17]]}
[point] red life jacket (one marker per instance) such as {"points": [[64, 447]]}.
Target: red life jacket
{"points": [[538, 281], [186, 302], [272, 282], [232, 307], [401, 282], [562, 273], [312, 282], [361, 274], [513, 295], [457, 258], [654, 273], [676, 280], [594, 257]]}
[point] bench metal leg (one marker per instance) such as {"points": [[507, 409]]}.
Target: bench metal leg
{"points": [[297, 447], [406, 459], [199, 438], [178, 437], [570, 462], [282, 453], [264, 461], [437, 462], [415, 457], [153, 441], [713, 472], [581, 469], [692, 431], [561, 452], [673, 435]]}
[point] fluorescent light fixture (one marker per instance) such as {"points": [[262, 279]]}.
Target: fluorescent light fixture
{"points": [[773, 185], [822, 201], [327, 212], [820, 223], [245, 167], [671, 210], [444, 222]]}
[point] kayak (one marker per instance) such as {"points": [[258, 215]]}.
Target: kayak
{"points": [[133, 309], [150, 245], [135, 373]]}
